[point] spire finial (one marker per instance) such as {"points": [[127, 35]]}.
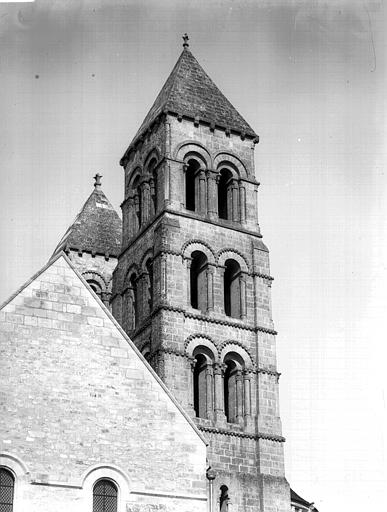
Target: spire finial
{"points": [[185, 39], [97, 180]]}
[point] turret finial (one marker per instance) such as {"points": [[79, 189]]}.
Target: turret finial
{"points": [[97, 180], [185, 39]]}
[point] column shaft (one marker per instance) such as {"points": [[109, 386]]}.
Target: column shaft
{"points": [[242, 202], [209, 392], [192, 362], [246, 384], [219, 400], [212, 194], [239, 395], [234, 190], [163, 277], [210, 289], [242, 281], [188, 262], [202, 192]]}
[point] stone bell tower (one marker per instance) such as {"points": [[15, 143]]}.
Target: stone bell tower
{"points": [[192, 284]]}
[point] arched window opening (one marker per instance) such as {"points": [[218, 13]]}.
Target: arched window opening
{"points": [[232, 289], [137, 200], [147, 354], [198, 280], [190, 184], [7, 488], [96, 287], [200, 386], [153, 183], [224, 194], [230, 392], [134, 300], [223, 499], [149, 285], [105, 496], [234, 406]]}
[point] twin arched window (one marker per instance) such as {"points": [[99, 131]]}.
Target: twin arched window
{"points": [[105, 496], [142, 196], [7, 488], [225, 197], [137, 296], [200, 286], [235, 385]]}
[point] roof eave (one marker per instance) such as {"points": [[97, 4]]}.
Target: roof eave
{"points": [[251, 135]]}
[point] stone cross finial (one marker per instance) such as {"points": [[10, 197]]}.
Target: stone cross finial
{"points": [[97, 180], [185, 39]]}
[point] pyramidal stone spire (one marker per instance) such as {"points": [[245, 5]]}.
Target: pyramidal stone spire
{"points": [[189, 92], [97, 227]]}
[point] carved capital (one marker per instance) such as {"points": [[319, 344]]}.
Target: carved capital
{"points": [[247, 373], [211, 474], [238, 376], [219, 368]]}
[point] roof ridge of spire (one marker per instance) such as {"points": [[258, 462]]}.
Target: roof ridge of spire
{"points": [[97, 226], [190, 92]]}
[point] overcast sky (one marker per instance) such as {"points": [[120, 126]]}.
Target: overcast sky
{"points": [[77, 79]]}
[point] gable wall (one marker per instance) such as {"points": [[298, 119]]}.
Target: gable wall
{"points": [[74, 394]]}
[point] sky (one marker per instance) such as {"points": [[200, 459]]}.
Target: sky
{"points": [[310, 78]]}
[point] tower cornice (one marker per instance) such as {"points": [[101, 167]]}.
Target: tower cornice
{"points": [[222, 224], [196, 121]]}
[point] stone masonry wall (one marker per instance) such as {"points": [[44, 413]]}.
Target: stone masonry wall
{"points": [[76, 399], [240, 453]]}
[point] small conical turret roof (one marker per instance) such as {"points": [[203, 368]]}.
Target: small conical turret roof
{"points": [[96, 229], [190, 92]]}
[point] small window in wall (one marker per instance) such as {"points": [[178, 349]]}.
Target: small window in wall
{"points": [[224, 196], [105, 496], [198, 280], [95, 287], [190, 184], [232, 290], [7, 487], [200, 386], [147, 355], [223, 499]]}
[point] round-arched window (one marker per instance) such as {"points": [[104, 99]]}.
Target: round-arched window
{"points": [[7, 487], [105, 496]]}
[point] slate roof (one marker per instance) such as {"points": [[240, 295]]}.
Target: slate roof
{"points": [[190, 91], [296, 498], [96, 229]]}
